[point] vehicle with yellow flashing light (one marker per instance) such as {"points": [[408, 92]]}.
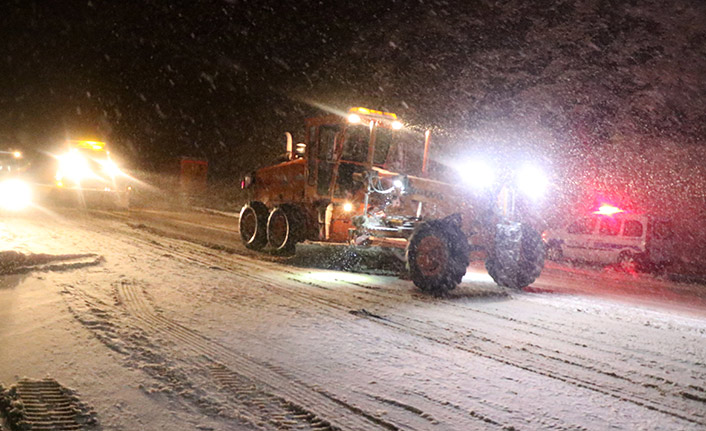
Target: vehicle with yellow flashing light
{"points": [[87, 173], [15, 190], [351, 181]]}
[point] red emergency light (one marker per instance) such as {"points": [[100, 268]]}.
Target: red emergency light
{"points": [[608, 210]]}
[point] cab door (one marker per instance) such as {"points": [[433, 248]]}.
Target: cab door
{"points": [[326, 158]]}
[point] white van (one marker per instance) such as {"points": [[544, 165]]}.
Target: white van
{"points": [[635, 242]]}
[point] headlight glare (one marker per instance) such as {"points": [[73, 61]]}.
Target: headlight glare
{"points": [[477, 174], [15, 195], [73, 166], [110, 168], [532, 181]]}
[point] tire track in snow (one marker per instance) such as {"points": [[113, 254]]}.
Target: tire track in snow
{"points": [[654, 388], [595, 344], [253, 270], [252, 267], [567, 356], [617, 386], [422, 329], [275, 392], [45, 405], [261, 395], [552, 331]]}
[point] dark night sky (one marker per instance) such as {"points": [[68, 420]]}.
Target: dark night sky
{"points": [[203, 78], [582, 79]]}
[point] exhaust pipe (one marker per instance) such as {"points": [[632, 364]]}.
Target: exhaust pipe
{"points": [[427, 135], [290, 149]]}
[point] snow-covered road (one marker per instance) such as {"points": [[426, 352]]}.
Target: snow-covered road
{"points": [[161, 320]]}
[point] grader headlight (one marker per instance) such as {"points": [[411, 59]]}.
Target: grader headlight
{"points": [[75, 166], [532, 181], [477, 174]]}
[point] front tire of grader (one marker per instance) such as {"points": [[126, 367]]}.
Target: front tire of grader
{"points": [[517, 256], [253, 225], [283, 227], [437, 256]]}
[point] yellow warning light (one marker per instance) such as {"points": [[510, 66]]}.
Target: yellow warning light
{"points": [[366, 111], [91, 145]]}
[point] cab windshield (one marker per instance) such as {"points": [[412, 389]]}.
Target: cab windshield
{"points": [[355, 144]]}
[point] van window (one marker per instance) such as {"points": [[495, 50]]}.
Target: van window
{"points": [[609, 226], [582, 226], [632, 228]]}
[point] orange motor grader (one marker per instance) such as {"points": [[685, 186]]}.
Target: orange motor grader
{"points": [[342, 185]]}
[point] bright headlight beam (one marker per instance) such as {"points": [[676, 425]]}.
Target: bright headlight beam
{"points": [[532, 181], [477, 174], [111, 168], [15, 195], [74, 166]]}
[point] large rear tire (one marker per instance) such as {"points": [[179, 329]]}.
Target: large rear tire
{"points": [[517, 256], [438, 255], [253, 225], [284, 227]]}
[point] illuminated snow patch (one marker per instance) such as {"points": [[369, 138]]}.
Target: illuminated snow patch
{"points": [[477, 277], [333, 276]]}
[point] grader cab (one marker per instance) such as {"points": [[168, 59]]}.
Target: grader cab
{"points": [[350, 181]]}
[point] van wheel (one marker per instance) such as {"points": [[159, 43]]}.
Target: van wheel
{"points": [[633, 262], [627, 261], [253, 225]]}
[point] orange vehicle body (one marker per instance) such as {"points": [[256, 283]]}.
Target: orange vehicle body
{"points": [[350, 183], [313, 182]]}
